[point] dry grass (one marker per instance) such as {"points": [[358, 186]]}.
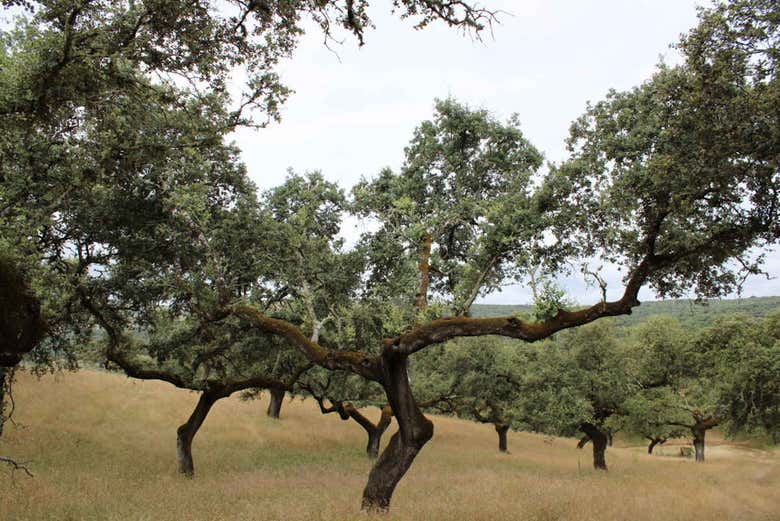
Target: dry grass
{"points": [[102, 447]]}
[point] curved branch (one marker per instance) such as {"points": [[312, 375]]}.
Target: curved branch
{"points": [[360, 363], [442, 330]]}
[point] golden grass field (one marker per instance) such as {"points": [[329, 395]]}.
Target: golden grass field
{"points": [[102, 447]]}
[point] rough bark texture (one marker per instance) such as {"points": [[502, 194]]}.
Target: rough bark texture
{"points": [[186, 433], [502, 431], [599, 440], [414, 431], [275, 403]]}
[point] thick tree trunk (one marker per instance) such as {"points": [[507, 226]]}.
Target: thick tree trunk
{"points": [[502, 430], [698, 443], [599, 440], [275, 403], [3, 375], [414, 431], [186, 433]]}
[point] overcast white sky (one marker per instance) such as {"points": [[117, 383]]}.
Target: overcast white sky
{"points": [[353, 113]]}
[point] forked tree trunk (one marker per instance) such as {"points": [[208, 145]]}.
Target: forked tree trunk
{"points": [[375, 432], [186, 432], [414, 431], [502, 429], [275, 403], [698, 442], [599, 440], [701, 424]]}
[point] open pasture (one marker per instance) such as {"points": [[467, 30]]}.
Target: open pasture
{"points": [[102, 447]]}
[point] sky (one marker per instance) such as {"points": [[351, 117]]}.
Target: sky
{"points": [[354, 108]]}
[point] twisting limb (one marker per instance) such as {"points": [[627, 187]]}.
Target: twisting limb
{"points": [[347, 411]]}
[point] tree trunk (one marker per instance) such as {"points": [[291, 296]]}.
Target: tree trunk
{"points": [[275, 403], [654, 442], [186, 432], [599, 440], [375, 433], [698, 443], [502, 430], [3, 376], [414, 431], [374, 439], [423, 266]]}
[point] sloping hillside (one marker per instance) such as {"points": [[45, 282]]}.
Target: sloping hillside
{"points": [[102, 447]]}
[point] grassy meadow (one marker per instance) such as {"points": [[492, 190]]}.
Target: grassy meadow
{"points": [[102, 447]]}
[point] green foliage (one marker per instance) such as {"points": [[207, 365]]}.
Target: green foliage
{"points": [[550, 299], [471, 379], [465, 186]]}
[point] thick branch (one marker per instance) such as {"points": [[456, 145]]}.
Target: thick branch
{"points": [[445, 329], [356, 362]]}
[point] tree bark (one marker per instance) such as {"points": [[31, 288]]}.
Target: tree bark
{"points": [[701, 424], [502, 429], [423, 266], [374, 439], [376, 432], [186, 432], [275, 403], [599, 440], [698, 442], [414, 431], [3, 375]]}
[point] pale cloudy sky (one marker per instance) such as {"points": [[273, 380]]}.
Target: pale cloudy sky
{"points": [[354, 109]]}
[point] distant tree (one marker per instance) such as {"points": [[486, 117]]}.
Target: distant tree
{"points": [[343, 394], [469, 378], [749, 397], [660, 354]]}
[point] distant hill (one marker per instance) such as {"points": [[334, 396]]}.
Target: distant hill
{"points": [[688, 313]]}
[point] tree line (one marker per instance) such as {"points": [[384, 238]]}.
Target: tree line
{"points": [[132, 234]]}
